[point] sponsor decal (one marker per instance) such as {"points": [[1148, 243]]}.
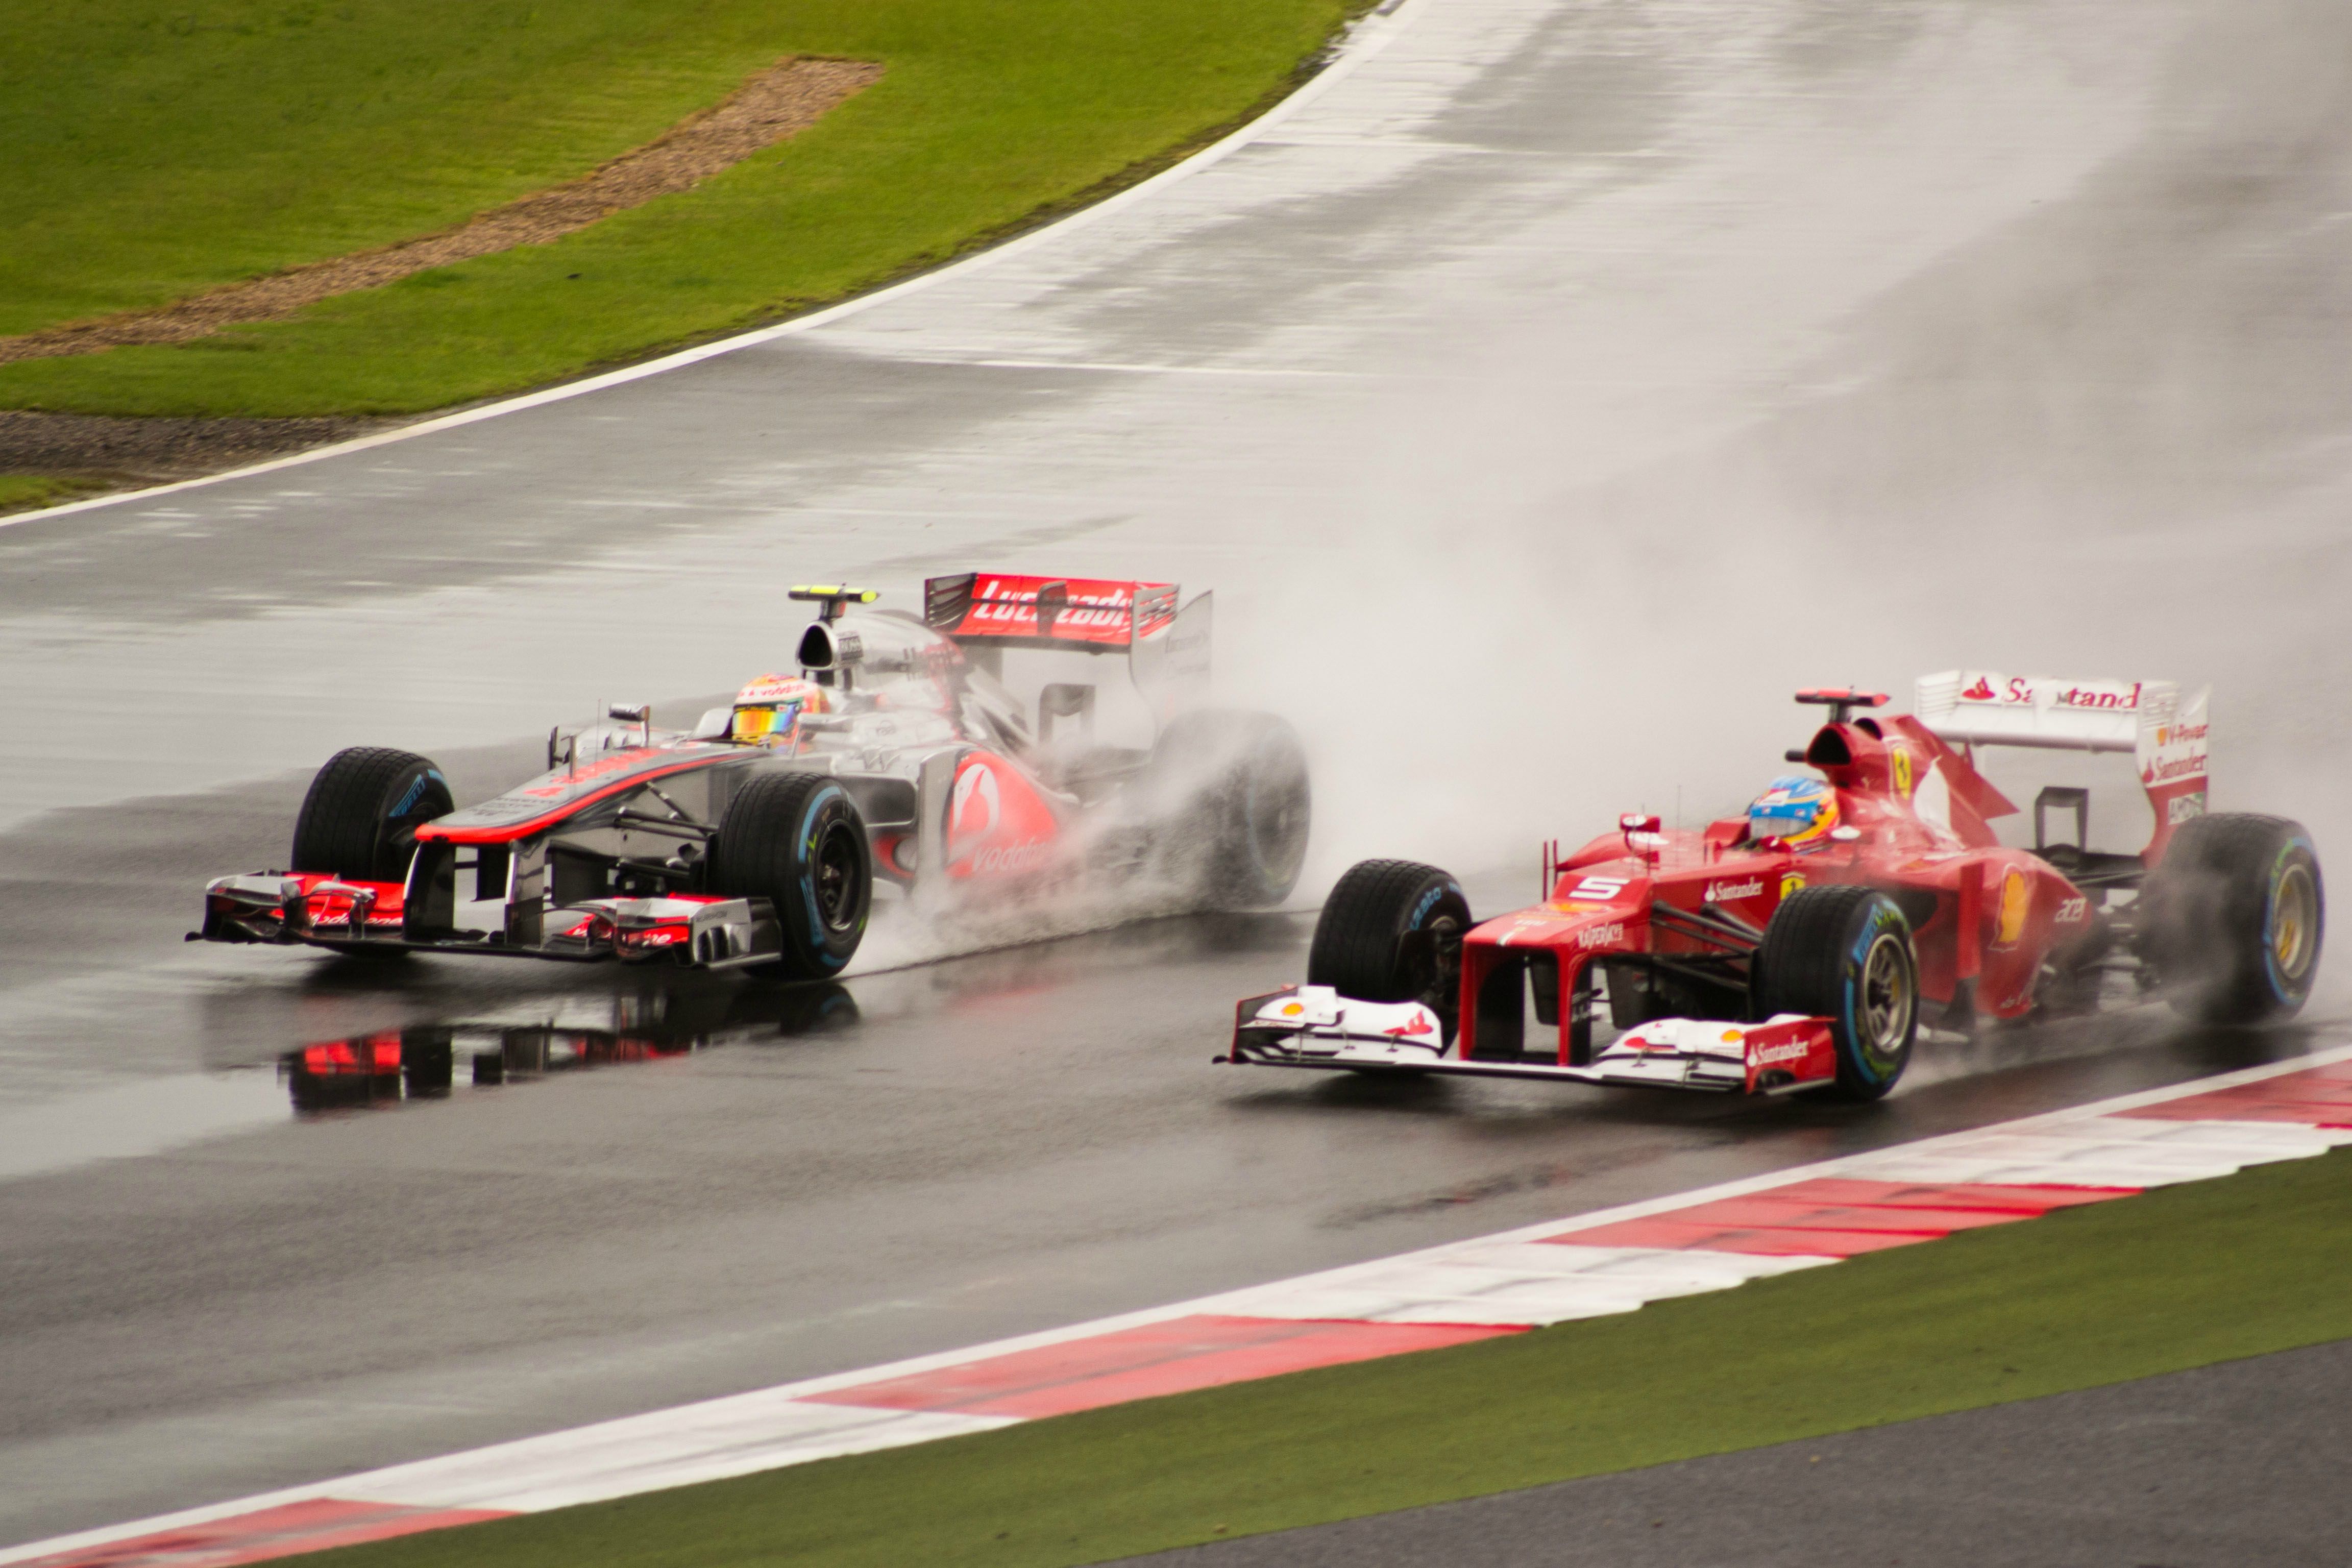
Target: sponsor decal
{"points": [[2182, 808], [2026, 691], [2108, 694], [977, 803], [1901, 764], [1787, 1051], [1293, 1009], [1025, 856], [2073, 912], [2016, 902], [660, 936], [1418, 1024], [1600, 935], [1717, 892]]}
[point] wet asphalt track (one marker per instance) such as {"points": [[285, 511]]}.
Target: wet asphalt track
{"points": [[1544, 402]]}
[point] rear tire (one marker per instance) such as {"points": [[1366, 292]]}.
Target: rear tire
{"points": [[1391, 931], [360, 819], [2234, 917], [1233, 792], [1845, 953], [797, 840]]}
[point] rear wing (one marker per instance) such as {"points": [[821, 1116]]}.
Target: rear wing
{"points": [[2161, 723], [1167, 648]]}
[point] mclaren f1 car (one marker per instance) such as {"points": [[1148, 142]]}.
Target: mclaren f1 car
{"points": [[1802, 945], [900, 755]]}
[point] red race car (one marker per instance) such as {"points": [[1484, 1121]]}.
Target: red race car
{"points": [[906, 753], [1796, 946]]}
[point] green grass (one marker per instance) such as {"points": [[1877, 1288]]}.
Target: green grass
{"points": [[23, 492], [150, 150], [2180, 1278]]}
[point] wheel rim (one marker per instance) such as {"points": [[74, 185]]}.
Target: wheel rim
{"points": [[2294, 910], [1888, 999], [840, 877]]}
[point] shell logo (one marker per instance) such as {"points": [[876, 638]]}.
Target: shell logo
{"points": [[2016, 900], [977, 804]]}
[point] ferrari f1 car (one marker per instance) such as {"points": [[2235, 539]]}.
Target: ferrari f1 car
{"points": [[899, 756], [1796, 947]]}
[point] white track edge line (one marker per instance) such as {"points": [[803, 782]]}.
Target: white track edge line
{"points": [[1369, 36], [833, 1382]]}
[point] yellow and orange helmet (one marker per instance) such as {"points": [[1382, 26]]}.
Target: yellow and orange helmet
{"points": [[768, 711], [1798, 811]]}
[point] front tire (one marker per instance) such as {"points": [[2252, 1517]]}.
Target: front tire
{"points": [[1391, 931], [360, 819], [797, 840], [2235, 913], [1845, 953]]}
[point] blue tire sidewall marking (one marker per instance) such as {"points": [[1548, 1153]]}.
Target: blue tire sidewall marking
{"points": [[1429, 900], [806, 835], [416, 788], [1858, 965], [2282, 990]]}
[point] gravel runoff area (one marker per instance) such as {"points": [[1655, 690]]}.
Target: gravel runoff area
{"points": [[2236, 1463], [115, 451], [788, 97]]}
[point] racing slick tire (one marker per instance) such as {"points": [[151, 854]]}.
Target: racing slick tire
{"points": [[1845, 953], [360, 819], [1391, 931], [798, 841], [2234, 917], [1242, 809]]}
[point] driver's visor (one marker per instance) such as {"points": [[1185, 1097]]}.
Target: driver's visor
{"points": [[763, 724], [1783, 821]]}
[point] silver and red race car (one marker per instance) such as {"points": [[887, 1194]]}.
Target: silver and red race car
{"points": [[951, 755], [1796, 946]]}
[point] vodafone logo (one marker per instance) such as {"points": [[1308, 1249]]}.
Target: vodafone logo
{"points": [[978, 803], [1013, 856]]}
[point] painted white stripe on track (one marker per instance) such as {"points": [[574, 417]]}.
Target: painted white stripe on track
{"points": [[2087, 1145]]}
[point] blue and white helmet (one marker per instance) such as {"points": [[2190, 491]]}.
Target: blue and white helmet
{"points": [[1797, 810]]}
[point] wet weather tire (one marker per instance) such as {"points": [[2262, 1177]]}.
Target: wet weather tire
{"points": [[797, 840], [1391, 931], [360, 820], [1236, 802], [1845, 953], [2233, 919]]}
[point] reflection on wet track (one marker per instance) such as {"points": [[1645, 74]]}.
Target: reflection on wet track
{"points": [[431, 1061]]}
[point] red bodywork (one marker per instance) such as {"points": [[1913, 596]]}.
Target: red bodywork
{"points": [[1982, 916]]}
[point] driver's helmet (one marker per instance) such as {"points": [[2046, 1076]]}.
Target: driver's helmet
{"points": [[768, 711], [1796, 810]]}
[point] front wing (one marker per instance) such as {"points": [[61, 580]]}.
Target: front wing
{"points": [[690, 930], [1314, 1027]]}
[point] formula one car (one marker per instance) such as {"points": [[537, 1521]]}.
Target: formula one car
{"points": [[1795, 947], [899, 757]]}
